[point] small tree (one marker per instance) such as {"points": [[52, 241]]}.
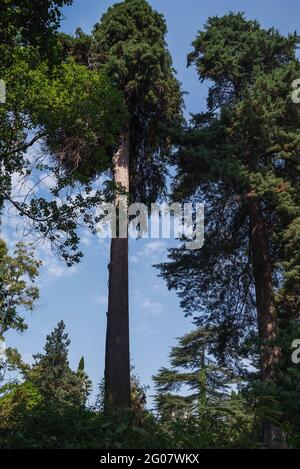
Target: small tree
{"points": [[51, 373], [195, 399], [44, 406], [17, 289], [205, 383], [86, 383]]}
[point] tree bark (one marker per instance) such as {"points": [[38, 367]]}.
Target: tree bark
{"points": [[266, 310], [117, 360]]}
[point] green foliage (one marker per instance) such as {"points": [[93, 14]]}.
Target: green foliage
{"points": [[77, 46], [73, 113], [29, 421], [31, 23], [192, 368], [53, 108], [80, 365], [47, 410], [228, 427], [69, 103], [232, 51], [279, 400], [75, 96], [244, 150], [16, 402], [194, 400], [11, 361], [82, 115], [52, 375], [86, 384], [17, 289], [129, 44]]}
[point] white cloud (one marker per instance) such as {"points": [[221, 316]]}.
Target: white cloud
{"points": [[144, 329], [155, 247], [100, 299], [146, 305], [154, 308], [57, 270], [134, 259], [154, 251]]}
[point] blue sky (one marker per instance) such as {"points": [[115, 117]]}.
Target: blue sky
{"points": [[79, 295]]}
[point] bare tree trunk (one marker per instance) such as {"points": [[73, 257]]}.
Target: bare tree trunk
{"points": [[117, 360], [266, 310]]}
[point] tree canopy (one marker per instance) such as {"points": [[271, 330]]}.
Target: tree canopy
{"points": [[108, 103], [129, 44], [245, 148]]}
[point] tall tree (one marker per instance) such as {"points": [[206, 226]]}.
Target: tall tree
{"points": [[77, 46], [129, 44], [242, 159], [51, 108]]}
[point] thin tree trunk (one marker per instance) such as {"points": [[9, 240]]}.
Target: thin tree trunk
{"points": [[266, 310], [117, 360]]}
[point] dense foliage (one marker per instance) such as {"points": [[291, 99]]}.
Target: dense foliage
{"points": [[45, 407], [242, 158], [231, 382], [53, 108], [129, 44]]}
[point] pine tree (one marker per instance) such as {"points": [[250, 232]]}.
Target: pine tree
{"points": [[196, 400], [205, 383], [52, 375], [129, 44], [242, 159], [44, 405]]}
